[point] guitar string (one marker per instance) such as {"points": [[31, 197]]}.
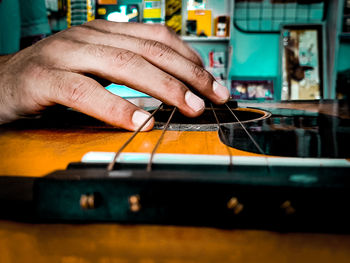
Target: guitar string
{"points": [[112, 163], [251, 138], [246, 131], [223, 137], [149, 165]]}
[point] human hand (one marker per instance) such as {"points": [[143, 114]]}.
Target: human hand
{"points": [[148, 58]]}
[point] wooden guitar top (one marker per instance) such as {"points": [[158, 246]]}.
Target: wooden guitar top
{"points": [[36, 151]]}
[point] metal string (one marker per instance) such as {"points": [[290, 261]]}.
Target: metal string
{"points": [[246, 131], [222, 136], [149, 166], [112, 163], [251, 138]]}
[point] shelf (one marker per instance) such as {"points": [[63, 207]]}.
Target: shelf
{"points": [[205, 39]]}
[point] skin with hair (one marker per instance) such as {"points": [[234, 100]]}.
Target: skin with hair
{"points": [[148, 58]]}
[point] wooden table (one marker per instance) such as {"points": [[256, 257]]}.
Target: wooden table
{"points": [[21, 242]]}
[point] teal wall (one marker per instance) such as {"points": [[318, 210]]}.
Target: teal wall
{"points": [[254, 54], [10, 27], [344, 57]]}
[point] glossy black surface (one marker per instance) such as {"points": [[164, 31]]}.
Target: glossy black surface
{"points": [[293, 133]]}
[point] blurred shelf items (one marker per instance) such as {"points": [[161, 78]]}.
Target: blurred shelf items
{"points": [[109, 10], [259, 49]]}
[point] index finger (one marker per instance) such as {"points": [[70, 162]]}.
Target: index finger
{"points": [[155, 32]]}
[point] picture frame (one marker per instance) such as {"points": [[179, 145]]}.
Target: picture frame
{"points": [[256, 89], [301, 60]]}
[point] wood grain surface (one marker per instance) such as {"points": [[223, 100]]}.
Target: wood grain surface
{"points": [[106, 243], [38, 152]]}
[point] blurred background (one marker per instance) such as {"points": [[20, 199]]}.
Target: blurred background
{"points": [[262, 50]]}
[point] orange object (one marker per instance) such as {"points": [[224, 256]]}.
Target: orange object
{"points": [[107, 2], [222, 26], [203, 18]]}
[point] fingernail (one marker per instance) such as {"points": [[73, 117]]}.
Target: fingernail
{"points": [[221, 91], [193, 101], [139, 117]]}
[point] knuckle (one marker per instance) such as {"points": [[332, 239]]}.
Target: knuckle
{"points": [[97, 22], [79, 29], [115, 57], [53, 46], [177, 90], [171, 83], [75, 93], [124, 58], [201, 75], [97, 51], [112, 112], [74, 29], [117, 113], [156, 49], [196, 59]]}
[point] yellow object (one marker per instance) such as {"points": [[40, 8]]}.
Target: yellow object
{"points": [[173, 6], [101, 11], [74, 7], [152, 9], [203, 18], [90, 10], [173, 18], [175, 23]]}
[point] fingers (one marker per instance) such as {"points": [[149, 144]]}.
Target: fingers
{"points": [[88, 96], [148, 58], [163, 57], [155, 32], [125, 67]]}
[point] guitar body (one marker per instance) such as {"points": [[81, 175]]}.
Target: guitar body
{"points": [[39, 152], [193, 181], [36, 148]]}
